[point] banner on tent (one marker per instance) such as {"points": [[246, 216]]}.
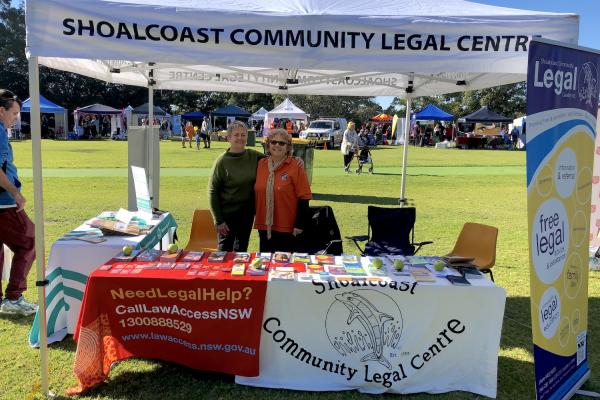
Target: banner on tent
{"points": [[562, 97]]}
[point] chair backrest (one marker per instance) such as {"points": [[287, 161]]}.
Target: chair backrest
{"points": [[479, 242], [319, 230], [392, 226], [203, 235]]}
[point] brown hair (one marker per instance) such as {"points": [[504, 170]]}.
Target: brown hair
{"points": [[284, 134], [7, 98]]}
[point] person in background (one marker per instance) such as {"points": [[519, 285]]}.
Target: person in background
{"points": [[17, 231], [282, 194], [349, 145], [205, 132], [231, 190], [197, 136], [514, 135], [187, 133]]}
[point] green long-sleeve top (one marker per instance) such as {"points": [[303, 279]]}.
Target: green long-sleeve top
{"points": [[231, 186]]}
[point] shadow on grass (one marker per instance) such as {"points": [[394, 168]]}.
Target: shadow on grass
{"points": [[352, 198], [26, 320]]}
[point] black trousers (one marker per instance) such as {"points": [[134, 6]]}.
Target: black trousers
{"points": [[280, 241], [240, 227], [348, 158]]}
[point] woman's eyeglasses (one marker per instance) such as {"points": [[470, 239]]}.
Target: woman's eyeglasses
{"points": [[278, 142]]}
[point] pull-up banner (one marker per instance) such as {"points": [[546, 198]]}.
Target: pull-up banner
{"points": [[562, 100]]}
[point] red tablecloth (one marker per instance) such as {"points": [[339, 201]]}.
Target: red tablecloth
{"points": [[201, 317]]}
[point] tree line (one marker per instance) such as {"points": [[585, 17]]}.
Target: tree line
{"points": [[71, 90]]}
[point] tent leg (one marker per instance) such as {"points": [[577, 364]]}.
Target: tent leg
{"points": [[38, 202], [405, 148], [151, 144]]}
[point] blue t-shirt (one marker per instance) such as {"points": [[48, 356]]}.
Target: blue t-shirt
{"points": [[8, 167]]}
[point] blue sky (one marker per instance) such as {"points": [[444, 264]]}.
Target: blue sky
{"points": [[589, 20]]}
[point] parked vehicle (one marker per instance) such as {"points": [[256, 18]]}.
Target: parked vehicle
{"points": [[325, 130]]}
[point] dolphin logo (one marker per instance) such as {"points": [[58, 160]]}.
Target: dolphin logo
{"points": [[371, 319]]}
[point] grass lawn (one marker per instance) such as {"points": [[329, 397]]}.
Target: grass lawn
{"points": [[448, 187]]}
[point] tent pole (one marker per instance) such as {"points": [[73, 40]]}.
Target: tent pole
{"points": [[405, 148], [151, 143], [38, 205]]}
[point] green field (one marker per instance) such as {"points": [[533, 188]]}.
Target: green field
{"points": [[448, 187]]}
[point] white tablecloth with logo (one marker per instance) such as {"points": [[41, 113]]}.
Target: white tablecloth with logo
{"points": [[376, 338], [71, 262]]}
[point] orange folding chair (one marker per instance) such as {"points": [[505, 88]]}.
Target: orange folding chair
{"points": [[477, 241], [203, 235]]}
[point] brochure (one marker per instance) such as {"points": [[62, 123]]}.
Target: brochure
{"points": [[192, 256], [241, 257], [217, 256]]}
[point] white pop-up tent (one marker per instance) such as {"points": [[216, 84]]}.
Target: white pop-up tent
{"points": [[329, 47], [285, 110], [258, 115]]}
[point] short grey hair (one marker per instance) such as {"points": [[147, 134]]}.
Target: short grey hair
{"points": [[236, 124]]}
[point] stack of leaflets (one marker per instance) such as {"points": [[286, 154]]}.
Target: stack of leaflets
{"points": [[314, 268], [238, 269], [282, 273], [355, 270], [324, 259], [149, 255], [470, 272], [165, 265], [192, 256], [306, 277], [129, 257], [422, 274], [255, 271], [281, 257], [301, 258], [264, 255], [241, 257], [336, 270], [350, 259], [182, 265], [458, 280], [458, 261], [217, 256], [421, 260], [170, 257]]}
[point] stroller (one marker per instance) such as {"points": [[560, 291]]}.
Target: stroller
{"points": [[363, 156]]}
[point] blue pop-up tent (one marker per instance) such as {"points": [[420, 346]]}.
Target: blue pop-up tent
{"points": [[193, 115], [46, 106], [432, 113]]}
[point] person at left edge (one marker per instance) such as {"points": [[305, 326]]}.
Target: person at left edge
{"points": [[16, 229]]}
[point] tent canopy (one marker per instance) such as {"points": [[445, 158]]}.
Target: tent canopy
{"points": [[259, 115], [230, 111], [143, 109], [46, 106], [286, 109], [194, 115], [356, 48], [484, 114], [98, 109], [432, 113], [382, 118]]}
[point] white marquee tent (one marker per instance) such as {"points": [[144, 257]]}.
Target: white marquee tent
{"points": [[287, 110], [402, 48]]}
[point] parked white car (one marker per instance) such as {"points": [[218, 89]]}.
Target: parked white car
{"points": [[325, 130]]}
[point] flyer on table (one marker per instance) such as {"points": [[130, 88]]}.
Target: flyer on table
{"points": [[562, 102]]}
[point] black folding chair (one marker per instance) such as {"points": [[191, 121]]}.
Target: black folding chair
{"points": [[321, 234], [391, 231]]}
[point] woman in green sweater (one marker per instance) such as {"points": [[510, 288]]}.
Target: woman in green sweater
{"points": [[231, 190]]}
